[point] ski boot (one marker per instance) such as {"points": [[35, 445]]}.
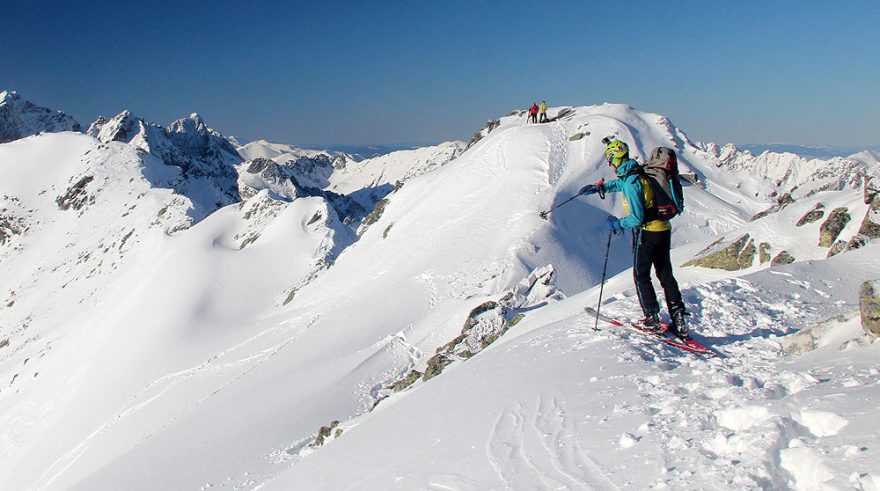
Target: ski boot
{"points": [[651, 323], [679, 325]]}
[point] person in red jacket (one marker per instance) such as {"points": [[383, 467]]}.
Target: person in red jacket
{"points": [[533, 113]]}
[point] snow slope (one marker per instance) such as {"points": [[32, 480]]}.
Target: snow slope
{"points": [[557, 405], [187, 356]]}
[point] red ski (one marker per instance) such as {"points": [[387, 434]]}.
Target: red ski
{"points": [[689, 345]]}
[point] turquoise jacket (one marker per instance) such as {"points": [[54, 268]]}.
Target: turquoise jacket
{"points": [[633, 194]]}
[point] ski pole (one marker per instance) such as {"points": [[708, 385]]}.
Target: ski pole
{"points": [[602, 285], [601, 192], [544, 214]]}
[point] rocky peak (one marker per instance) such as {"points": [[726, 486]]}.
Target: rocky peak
{"points": [[194, 137], [124, 127], [193, 124], [205, 158], [267, 168], [20, 118]]}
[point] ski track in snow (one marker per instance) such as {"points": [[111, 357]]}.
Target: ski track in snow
{"points": [[536, 445], [154, 391]]}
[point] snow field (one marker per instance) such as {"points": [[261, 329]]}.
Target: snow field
{"points": [[215, 353]]}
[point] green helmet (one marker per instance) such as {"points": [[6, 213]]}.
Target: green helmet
{"points": [[615, 152]]}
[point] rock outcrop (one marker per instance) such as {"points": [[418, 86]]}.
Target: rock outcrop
{"points": [[869, 306], [781, 203], [832, 226], [813, 215], [733, 256], [75, 197], [870, 226], [782, 258], [484, 325], [764, 252]]}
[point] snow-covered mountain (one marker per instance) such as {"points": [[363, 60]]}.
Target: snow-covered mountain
{"points": [[204, 159], [794, 174], [809, 151], [20, 118], [178, 313]]}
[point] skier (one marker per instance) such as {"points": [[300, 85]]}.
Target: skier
{"points": [[651, 238], [542, 109], [533, 113]]}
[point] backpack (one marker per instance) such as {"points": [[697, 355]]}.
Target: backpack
{"points": [[662, 172]]}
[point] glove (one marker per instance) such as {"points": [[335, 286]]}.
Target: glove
{"points": [[599, 187], [589, 189], [613, 225]]}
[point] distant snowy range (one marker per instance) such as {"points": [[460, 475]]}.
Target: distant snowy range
{"points": [[179, 311]]}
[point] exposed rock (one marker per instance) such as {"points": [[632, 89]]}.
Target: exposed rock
{"points": [[563, 113], [784, 200], [410, 378], [374, 216], [261, 173], [692, 178], [837, 248], [872, 187], [871, 223], [768, 211], [869, 306], [9, 226], [857, 242], [490, 125], [314, 171], [325, 432], [811, 338], [739, 254], [781, 202], [319, 267], [283, 182], [484, 325], [782, 258], [436, 364], [813, 215], [763, 252], [76, 196], [832, 226], [747, 256]]}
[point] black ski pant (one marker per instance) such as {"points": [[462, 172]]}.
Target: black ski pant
{"points": [[652, 249]]}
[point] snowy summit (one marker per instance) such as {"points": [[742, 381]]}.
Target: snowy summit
{"points": [[179, 312]]}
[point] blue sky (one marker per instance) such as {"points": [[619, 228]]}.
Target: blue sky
{"points": [[361, 72]]}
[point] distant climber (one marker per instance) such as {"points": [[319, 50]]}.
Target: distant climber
{"points": [[533, 113], [652, 237], [542, 109]]}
